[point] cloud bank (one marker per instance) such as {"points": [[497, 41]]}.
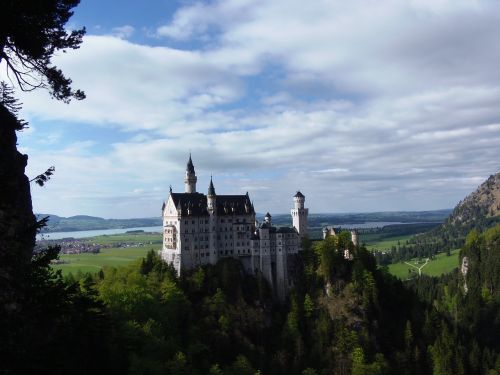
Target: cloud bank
{"points": [[363, 106]]}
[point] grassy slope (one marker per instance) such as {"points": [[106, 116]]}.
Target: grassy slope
{"points": [[441, 264], [386, 243], [113, 257]]}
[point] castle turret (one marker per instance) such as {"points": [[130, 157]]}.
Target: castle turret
{"points": [[267, 218], [299, 214], [190, 178], [212, 211], [211, 197], [354, 237]]}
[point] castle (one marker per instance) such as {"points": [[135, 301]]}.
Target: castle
{"points": [[200, 229]]}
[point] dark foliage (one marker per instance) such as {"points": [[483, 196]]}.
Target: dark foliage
{"points": [[31, 31]]}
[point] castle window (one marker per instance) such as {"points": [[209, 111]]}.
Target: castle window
{"points": [[193, 222], [222, 220], [185, 222]]}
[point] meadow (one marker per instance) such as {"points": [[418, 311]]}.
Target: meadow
{"points": [[439, 265], [138, 246], [384, 244]]}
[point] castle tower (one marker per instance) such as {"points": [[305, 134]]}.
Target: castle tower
{"points": [[354, 237], [211, 197], [212, 211], [299, 214], [267, 218], [190, 178]]}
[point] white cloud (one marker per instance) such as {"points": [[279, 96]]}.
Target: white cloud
{"points": [[363, 107], [123, 32]]}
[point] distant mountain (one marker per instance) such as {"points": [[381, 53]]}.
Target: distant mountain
{"points": [[84, 222]]}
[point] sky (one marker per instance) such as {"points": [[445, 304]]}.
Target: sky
{"points": [[362, 105]]}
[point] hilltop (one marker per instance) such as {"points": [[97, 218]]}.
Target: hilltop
{"points": [[479, 210], [484, 203]]}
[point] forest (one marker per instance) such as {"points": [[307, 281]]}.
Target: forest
{"points": [[342, 317]]}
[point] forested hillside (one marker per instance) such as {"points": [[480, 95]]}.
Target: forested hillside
{"points": [[342, 317], [478, 211]]}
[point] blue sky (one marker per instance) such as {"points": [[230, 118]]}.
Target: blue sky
{"points": [[362, 105]]}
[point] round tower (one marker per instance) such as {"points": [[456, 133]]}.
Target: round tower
{"points": [[267, 218], [299, 214], [354, 237], [190, 178]]}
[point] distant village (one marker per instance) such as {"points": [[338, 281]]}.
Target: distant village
{"points": [[80, 245]]}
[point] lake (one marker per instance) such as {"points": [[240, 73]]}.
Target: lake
{"points": [[92, 233]]}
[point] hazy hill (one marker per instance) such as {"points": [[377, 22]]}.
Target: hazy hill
{"points": [[316, 221], [84, 222]]}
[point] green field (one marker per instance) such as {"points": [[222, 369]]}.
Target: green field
{"points": [[113, 256], [439, 265], [385, 244], [145, 238]]}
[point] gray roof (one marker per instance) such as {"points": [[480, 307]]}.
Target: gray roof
{"points": [[227, 205], [211, 189], [299, 195], [190, 166]]}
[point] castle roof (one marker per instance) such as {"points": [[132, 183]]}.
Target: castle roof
{"points": [[211, 189], [195, 204], [299, 195], [190, 166]]}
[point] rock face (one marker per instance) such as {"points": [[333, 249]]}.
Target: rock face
{"points": [[480, 210], [484, 202], [464, 269], [17, 222]]}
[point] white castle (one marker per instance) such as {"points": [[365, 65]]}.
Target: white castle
{"points": [[200, 229]]}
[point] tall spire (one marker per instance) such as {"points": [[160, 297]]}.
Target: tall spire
{"points": [[211, 189], [190, 166], [190, 178]]}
